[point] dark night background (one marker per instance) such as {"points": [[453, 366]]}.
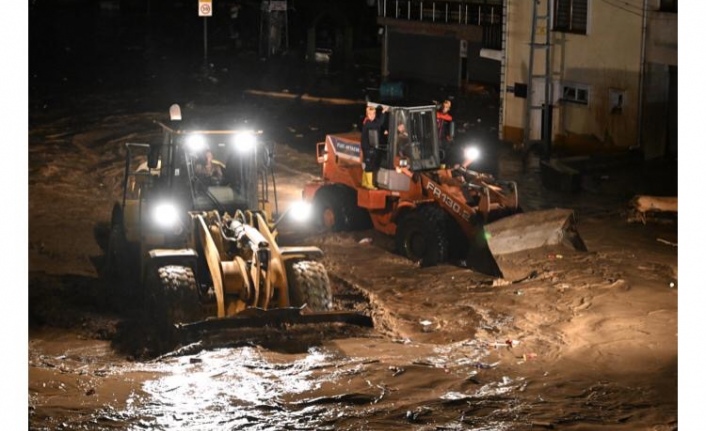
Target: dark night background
{"points": [[155, 48]]}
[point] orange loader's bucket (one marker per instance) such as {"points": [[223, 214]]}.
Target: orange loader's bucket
{"points": [[513, 241]]}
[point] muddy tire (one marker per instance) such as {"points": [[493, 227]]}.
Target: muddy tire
{"points": [[422, 236], [309, 284], [116, 255], [329, 212], [336, 210], [172, 295], [358, 218]]}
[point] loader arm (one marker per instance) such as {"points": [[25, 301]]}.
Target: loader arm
{"points": [[482, 205], [213, 260]]}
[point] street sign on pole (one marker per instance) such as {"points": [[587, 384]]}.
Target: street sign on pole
{"points": [[205, 8], [205, 11]]}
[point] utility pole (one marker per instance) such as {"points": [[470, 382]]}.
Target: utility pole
{"points": [[205, 11]]}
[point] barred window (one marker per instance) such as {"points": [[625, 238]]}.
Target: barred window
{"points": [[571, 16]]}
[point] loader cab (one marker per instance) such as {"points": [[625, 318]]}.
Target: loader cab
{"points": [[212, 170], [163, 180], [203, 169], [412, 139]]}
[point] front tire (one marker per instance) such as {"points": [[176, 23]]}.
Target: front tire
{"points": [[309, 284], [421, 236], [172, 295]]}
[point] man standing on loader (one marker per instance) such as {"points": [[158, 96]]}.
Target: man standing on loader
{"points": [[443, 123], [370, 135]]}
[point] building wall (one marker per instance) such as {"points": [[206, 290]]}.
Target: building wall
{"points": [[431, 52], [481, 69], [661, 45], [432, 59], [607, 60], [659, 109]]}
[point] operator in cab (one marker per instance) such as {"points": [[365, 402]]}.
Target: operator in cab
{"points": [[209, 169]]}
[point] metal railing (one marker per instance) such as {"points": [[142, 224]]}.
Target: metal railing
{"points": [[488, 14]]}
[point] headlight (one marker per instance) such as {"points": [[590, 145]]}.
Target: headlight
{"points": [[404, 163], [165, 215], [196, 143], [300, 211], [244, 141], [471, 154]]}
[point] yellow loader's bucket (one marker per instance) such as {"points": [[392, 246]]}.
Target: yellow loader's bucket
{"points": [[513, 240]]}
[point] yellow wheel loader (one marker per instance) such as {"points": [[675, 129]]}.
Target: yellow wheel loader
{"points": [[196, 234]]}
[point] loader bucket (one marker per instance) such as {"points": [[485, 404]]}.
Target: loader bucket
{"points": [[256, 317], [513, 240]]}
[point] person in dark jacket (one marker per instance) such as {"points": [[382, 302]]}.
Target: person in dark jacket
{"points": [[443, 122], [372, 125]]}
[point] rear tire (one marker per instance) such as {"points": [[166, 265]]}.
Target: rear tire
{"points": [[121, 266], [422, 236], [336, 209], [328, 210], [116, 255], [358, 218], [309, 284]]}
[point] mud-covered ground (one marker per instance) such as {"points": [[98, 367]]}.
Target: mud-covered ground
{"points": [[590, 342]]}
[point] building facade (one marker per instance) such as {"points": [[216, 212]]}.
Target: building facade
{"points": [[599, 74], [440, 41], [610, 80]]}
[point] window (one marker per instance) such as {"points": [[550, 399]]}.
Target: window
{"points": [[575, 93], [571, 16]]}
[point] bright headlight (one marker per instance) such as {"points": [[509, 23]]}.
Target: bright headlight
{"points": [[300, 211], [165, 215], [471, 153], [195, 143], [244, 141]]}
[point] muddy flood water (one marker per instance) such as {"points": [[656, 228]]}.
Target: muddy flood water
{"points": [[368, 383]]}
